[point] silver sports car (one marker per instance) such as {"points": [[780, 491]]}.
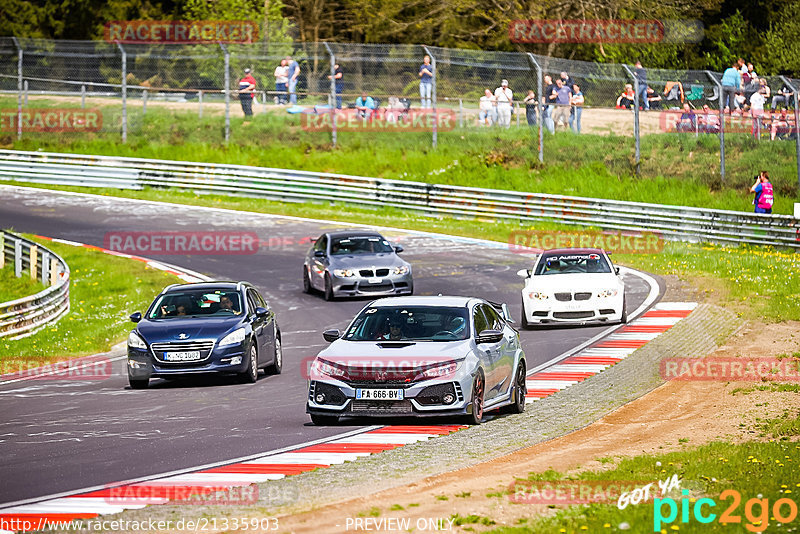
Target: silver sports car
{"points": [[420, 356], [356, 263]]}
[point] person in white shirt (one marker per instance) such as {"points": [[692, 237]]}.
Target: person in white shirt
{"points": [[505, 99], [281, 81], [757, 111], [487, 109]]}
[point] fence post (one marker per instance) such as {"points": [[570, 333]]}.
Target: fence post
{"points": [[435, 139], [721, 124], [637, 153], [333, 94], [20, 54], [124, 93], [25, 93], [83, 96], [144, 101], [539, 106], [17, 258], [45, 268], [794, 89], [460, 113], [33, 260], [200, 104], [227, 91]]}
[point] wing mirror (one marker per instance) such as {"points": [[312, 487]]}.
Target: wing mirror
{"points": [[319, 253], [489, 336], [524, 273], [398, 249], [136, 317], [331, 335], [261, 312]]}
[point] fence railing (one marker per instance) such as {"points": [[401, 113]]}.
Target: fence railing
{"points": [[22, 317], [672, 222]]}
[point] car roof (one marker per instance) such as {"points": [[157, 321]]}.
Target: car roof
{"points": [[226, 285], [554, 251], [353, 233], [449, 301]]}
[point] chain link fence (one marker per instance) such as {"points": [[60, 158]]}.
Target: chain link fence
{"points": [[125, 83]]}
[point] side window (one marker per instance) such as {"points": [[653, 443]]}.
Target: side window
{"points": [[251, 301], [260, 300], [479, 320], [493, 318], [321, 244]]}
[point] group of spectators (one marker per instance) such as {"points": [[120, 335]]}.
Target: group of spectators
{"points": [[286, 77]]}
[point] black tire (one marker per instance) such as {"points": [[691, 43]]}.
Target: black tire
{"points": [[138, 383], [328, 288], [277, 364], [478, 390], [520, 388], [306, 281], [250, 374], [624, 319], [523, 322], [323, 420]]}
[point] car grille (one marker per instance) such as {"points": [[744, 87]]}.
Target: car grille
{"points": [[333, 395], [375, 288], [432, 395], [379, 407], [204, 346], [563, 297], [573, 315], [369, 273], [583, 296]]}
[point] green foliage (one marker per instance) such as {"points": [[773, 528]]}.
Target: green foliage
{"points": [[782, 41], [728, 42]]}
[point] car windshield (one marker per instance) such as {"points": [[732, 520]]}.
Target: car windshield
{"points": [[359, 245], [410, 323], [196, 303], [572, 263]]}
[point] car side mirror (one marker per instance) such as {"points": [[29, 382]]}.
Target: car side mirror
{"points": [[261, 312], [331, 335], [489, 336], [524, 273], [136, 317], [319, 253], [398, 249], [616, 270]]}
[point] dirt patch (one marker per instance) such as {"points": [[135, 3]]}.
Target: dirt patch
{"points": [[661, 421]]}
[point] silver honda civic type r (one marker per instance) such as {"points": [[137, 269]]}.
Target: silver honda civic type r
{"points": [[356, 263], [420, 356]]}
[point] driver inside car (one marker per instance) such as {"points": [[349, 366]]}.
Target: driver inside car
{"points": [[395, 332]]}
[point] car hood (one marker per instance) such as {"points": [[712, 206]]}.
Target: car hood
{"points": [[200, 328], [357, 261], [573, 282]]}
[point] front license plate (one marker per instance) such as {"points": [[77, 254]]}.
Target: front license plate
{"points": [[379, 394], [185, 356], [375, 280]]}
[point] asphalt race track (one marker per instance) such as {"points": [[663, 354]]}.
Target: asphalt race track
{"points": [[61, 435]]}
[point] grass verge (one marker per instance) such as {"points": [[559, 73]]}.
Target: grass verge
{"points": [[104, 290], [13, 288]]}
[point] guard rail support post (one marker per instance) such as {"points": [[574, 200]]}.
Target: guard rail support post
{"points": [[539, 106], [227, 91], [435, 138], [144, 101], [637, 153], [721, 123], [83, 96], [124, 93], [46, 268], [33, 257], [796, 122], [25, 93], [333, 94], [17, 258], [200, 104], [20, 55]]}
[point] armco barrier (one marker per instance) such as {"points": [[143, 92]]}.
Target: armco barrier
{"points": [[22, 317], [672, 222]]}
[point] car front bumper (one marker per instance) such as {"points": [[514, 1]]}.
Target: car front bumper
{"points": [[356, 286], [593, 310], [229, 359]]}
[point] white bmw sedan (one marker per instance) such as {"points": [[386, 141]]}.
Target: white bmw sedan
{"points": [[573, 285]]}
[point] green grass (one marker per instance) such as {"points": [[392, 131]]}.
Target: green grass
{"points": [[13, 288], [755, 469], [104, 290], [676, 169]]}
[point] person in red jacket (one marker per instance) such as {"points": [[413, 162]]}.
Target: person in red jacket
{"points": [[247, 87]]}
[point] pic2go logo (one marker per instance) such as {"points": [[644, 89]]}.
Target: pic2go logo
{"points": [[783, 510]]}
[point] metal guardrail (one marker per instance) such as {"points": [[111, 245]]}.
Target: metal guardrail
{"points": [[672, 222], [22, 317]]}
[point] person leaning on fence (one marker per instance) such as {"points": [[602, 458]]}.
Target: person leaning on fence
{"points": [[426, 82], [247, 87], [505, 99], [731, 83], [764, 197], [338, 76], [281, 81], [530, 108], [626, 99], [487, 109], [294, 75], [576, 100], [563, 94]]}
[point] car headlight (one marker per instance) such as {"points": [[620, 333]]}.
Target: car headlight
{"points": [[440, 371], [403, 269], [538, 295], [237, 336], [606, 293], [135, 341], [321, 367], [344, 273]]}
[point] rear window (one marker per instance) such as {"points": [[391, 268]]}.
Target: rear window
{"points": [[195, 303], [572, 264], [411, 323]]}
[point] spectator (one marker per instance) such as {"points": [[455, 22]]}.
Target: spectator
{"points": [[764, 198], [708, 121], [731, 82], [365, 105], [530, 108], [339, 84], [577, 109], [626, 99], [741, 66], [294, 74], [426, 82], [247, 87], [763, 88], [739, 101], [641, 76], [563, 94], [784, 96], [688, 120], [779, 123], [505, 99], [281, 82], [487, 109], [549, 99], [566, 80], [757, 111], [653, 99], [396, 110]]}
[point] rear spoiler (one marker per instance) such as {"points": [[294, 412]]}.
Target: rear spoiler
{"points": [[502, 309]]}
